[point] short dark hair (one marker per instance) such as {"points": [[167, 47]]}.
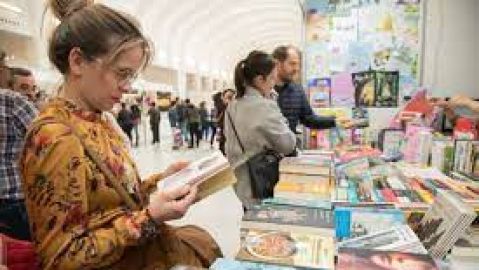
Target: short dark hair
{"points": [[187, 101], [281, 53], [228, 90]]}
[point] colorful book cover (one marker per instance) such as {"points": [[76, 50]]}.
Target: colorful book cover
{"points": [[229, 264], [387, 89], [346, 153], [289, 249], [364, 88], [354, 221], [342, 90], [271, 216], [354, 259], [319, 92], [360, 117], [447, 219]]}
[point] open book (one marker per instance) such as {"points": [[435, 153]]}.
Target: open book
{"points": [[211, 174]]}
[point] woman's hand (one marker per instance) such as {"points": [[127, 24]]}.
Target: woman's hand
{"points": [[172, 204]]}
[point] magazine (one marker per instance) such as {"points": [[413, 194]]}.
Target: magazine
{"points": [[354, 259], [319, 92], [395, 238], [387, 89], [447, 219], [211, 174], [289, 249]]}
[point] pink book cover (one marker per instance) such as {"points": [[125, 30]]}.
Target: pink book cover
{"points": [[418, 104]]}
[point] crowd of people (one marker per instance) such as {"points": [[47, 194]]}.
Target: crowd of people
{"points": [[75, 192]]}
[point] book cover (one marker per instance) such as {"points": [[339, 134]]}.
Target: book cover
{"points": [[319, 92], [289, 218], [229, 264], [289, 249], [395, 238], [354, 259], [292, 187], [323, 204], [353, 222], [306, 164], [387, 89], [211, 174], [444, 223], [360, 117], [346, 153], [342, 90], [364, 88]]}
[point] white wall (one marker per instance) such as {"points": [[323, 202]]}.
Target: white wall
{"points": [[452, 47]]}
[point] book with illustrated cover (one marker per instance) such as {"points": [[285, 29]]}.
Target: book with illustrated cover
{"points": [[307, 164], [287, 248], [447, 220], [211, 174], [355, 259], [360, 117], [364, 88], [289, 218], [466, 158], [353, 222], [395, 238], [319, 92], [387, 89], [229, 264]]}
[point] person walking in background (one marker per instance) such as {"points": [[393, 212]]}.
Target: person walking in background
{"points": [[182, 119], [125, 120], [193, 119], [155, 118], [213, 125], [173, 115], [136, 114], [254, 122], [204, 125]]}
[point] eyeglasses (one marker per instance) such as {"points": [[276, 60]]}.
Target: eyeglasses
{"points": [[124, 76]]}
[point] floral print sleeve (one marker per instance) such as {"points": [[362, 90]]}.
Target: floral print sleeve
{"points": [[77, 220]]}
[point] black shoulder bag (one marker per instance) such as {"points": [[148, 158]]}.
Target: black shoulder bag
{"points": [[263, 168]]}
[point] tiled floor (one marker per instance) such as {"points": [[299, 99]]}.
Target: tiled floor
{"points": [[220, 214]]}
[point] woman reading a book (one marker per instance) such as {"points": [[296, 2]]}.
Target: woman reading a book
{"points": [[87, 207], [256, 118]]}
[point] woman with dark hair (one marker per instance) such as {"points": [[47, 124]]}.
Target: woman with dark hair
{"points": [[256, 118], [87, 206]]}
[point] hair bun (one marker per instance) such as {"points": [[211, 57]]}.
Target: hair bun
{"points": [[63, 9]]}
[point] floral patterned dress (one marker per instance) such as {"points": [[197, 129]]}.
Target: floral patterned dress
{"points": [[77, 219]]}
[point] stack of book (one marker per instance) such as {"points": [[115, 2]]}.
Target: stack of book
{"points": [[446, 221], [305, 177]]}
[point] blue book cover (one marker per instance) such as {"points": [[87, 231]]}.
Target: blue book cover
{"points": [[354, 222]]}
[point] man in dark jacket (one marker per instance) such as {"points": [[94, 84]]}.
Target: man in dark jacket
{"points": [[292, 99], [155, 118], [125, 120]]}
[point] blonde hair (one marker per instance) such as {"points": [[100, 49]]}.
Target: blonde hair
{"points": [[96, 30]]}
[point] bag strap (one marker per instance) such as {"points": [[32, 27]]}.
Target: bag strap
{"points": [[235, 131], [110, 177]]}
